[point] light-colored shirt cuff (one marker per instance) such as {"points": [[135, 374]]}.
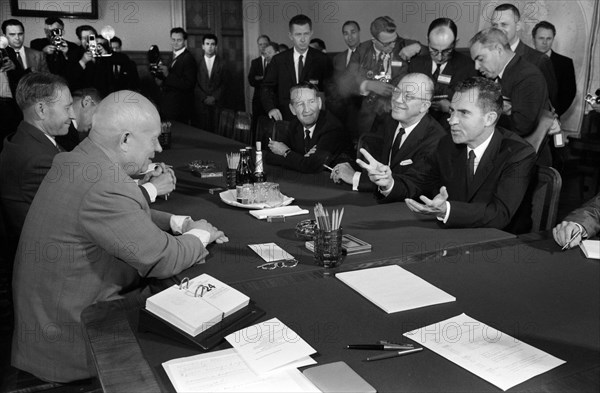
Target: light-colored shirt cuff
{"points": [[151, 190], [445, 219], [363, 88], [177, 223], [388, 191], [355, 181]]}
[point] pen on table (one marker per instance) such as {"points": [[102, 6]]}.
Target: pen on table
{"points": [[577, 233], [392, 354], [380, 347]]}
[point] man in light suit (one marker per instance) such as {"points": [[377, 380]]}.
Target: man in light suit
{"points": [[410, 134], [507, 18], [313, 138], [580, 224], [29, 60], [106, 238], [444, 65], [210, 85], [300, 64], [543, 36], [177, 79], [480, 172]]}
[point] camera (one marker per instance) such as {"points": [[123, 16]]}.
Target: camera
{"points": [[3, 53], [56, 37], [593, 99], [154, 62]]}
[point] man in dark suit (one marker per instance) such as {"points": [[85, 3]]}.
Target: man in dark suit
{"points": [[27, 154], [580, 224], [523, 85], [177, 79], [507, 18], [543, 36], [210, 85], [60, 53], [410, 134], [105, 237], [29, 60], [312, 138], [291, 67], [378, 67], [256, 75], [480, 171], [444, 65], [10, 75]]}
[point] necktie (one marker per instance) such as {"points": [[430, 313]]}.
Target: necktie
{"points": [[60, 149], [300, 68], [436, 73], [173, 61], [265, 62], [20, 60], [116, 71], [471, 167], [396, 145], [380, 67], [307, 145]]}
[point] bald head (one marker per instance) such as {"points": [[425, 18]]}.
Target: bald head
{"points": [[412, 98], [441, 44], [127, 125]]}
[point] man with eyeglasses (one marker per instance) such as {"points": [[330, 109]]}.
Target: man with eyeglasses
{"points": [[314, 137], [379, 66], [444, 65], [479, 174], [410, 134]]}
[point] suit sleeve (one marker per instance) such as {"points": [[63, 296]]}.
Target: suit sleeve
{"points": [[220, 82], [550, 76], [33, 174], [499, 211], [128, 232], [254, 71], [570, 88], [268, 94], [588, 216], [528, 97]]}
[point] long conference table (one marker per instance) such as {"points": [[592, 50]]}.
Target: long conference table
{"points": [[525, 287]]}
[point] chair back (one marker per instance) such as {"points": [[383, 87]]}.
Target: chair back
{"points": [[546, 192], [226, 122], [268, 128], [242, 130]]}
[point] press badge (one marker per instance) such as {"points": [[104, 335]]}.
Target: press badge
{"points": [[445, 79], [314, 81], [396, 63]]}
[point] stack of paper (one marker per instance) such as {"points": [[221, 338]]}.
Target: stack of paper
{"points": [[591, 248], [394, 289], [486, 352], [197, 305], [285, 211], [271, 252]]}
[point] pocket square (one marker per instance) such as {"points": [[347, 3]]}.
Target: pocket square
{"points": [[406, 162]]}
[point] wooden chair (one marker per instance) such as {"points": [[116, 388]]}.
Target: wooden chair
{"points": [[226, 122], [546, 192], [242, 130]]}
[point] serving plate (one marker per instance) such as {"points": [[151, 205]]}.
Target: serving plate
{"points": [[229, 197]]}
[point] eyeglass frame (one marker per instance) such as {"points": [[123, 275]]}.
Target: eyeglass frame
{"points": [[275, 264], [396, 93], [391, 44], [443, 52]]}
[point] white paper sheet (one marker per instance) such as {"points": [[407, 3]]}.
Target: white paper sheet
{"points": [[271, 252], [269, 345], [591, 248], [225, 371], [486, 352], [394, 289]]}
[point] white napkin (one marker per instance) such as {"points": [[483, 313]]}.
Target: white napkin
{"points": [[285, 211]]}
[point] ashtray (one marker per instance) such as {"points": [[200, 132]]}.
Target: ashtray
{"points": [[306, 229], [204, 168]]}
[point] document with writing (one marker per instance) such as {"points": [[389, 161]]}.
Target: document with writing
{"points": [[394, 289], [269, 345], [226, 371], [486, 352]]}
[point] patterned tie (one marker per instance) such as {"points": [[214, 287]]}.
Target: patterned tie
{"points": [[60, 149], [471, 167], [20, 60], [436, 73], [396, 145], [300, 68], [307, 145]]}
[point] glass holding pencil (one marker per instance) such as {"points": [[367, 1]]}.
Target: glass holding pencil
{"points": [[328, 237]]}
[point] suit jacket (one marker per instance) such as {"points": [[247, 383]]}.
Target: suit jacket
{"points": [[418, 146], [498, 188], [178, 88], [327, 137], [567, 86], [524, 85], [106, 239], [281, 76], [25, 159], [256, 69], [588, 216], [57, 63], [36, 60], [213, 85], [106, 79], [545, 65], [458, 68]]}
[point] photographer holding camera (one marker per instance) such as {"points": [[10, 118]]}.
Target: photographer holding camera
{"points": [[59, 52]]}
